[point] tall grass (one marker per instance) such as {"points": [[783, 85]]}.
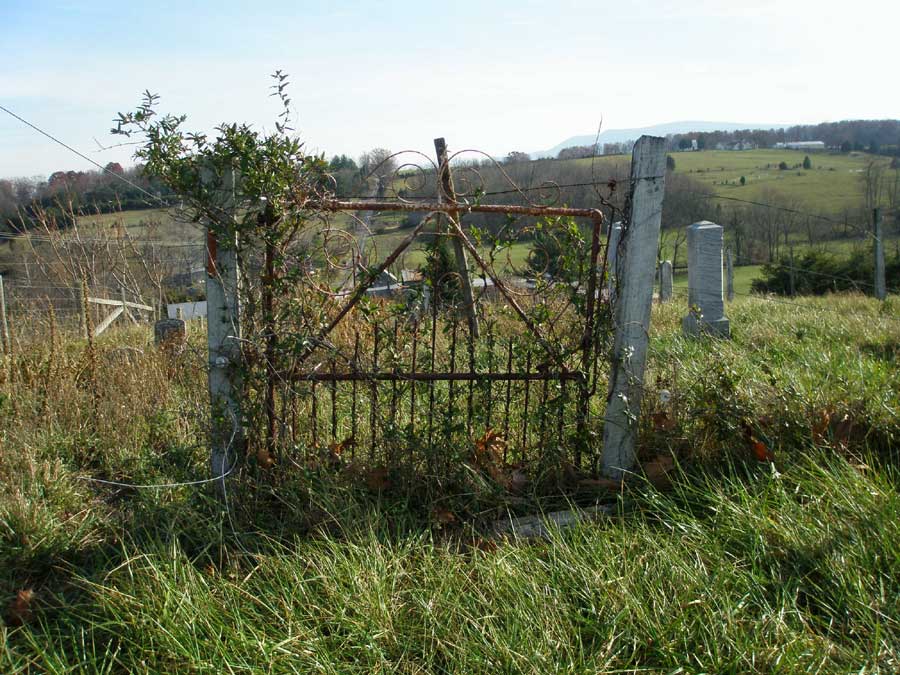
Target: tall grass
{"points": [[734, 566]]}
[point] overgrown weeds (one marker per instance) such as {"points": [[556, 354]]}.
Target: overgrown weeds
{"points": [[728, 565]]}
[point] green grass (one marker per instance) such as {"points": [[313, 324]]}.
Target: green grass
{"points": [[162, 225], [783, 567], [832, 184], [743, 279]]}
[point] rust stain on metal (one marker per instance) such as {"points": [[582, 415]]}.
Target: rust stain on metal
{"points": [[457, 208], [211, 253]]}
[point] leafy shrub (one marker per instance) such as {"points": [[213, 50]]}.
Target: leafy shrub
{"points": [[817, 273]]}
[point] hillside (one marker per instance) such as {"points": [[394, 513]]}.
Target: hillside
{"points": [[622, 135]]}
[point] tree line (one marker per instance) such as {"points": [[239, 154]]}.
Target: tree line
{"points": [[64, 193]]}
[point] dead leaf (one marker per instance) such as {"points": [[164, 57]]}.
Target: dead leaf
{"points": [[761, 451], [657, 470], [488, 456], [662, 421], [264, 459], [20, 610], [378, 479], [842, 431], [820, 427], [442, 516]]}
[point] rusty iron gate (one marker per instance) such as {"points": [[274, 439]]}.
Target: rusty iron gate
{"points": [[500, 351]]}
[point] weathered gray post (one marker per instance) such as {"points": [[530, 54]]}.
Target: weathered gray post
{"points": [[4, 326], [706, 308], [446, 193], [729, 276], [612, 254], [880, 284], [223, 338], [665, 281], [125, 309], [635, 267]]}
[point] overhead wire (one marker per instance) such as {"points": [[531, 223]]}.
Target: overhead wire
{"points": [[82, 155]]}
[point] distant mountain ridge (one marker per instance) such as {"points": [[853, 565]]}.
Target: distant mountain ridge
{"points": [[622, 135]]}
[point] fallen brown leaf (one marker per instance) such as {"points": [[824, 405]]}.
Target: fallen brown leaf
{"points": [[820, 427], [20, 610], [378, 479], [264, 459], [761, 451], [442, 516], [662, 421], [657, 470]]}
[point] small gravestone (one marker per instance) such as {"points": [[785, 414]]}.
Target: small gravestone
{"points": [[665, 281], [706, 306], [171, 334]]}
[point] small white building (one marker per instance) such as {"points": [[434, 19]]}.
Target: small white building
{"points": [[802, 145]]}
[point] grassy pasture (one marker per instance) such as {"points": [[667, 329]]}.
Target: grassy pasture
{"points": [[730, 565], [832, 185], [162, 225]]}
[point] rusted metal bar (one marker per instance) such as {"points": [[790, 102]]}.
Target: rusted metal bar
{"points": [[360, 205], [441, 377], [542, 423], [373, 408], [333, 404], [548, 346], [451, 397], [588, 341], [490, 366], [314, 414], [412, 386], [525, 408], [394, 381], [360, 292], [431, 385], [354, 423], [509, 358], [471, 394], [562, 413]]}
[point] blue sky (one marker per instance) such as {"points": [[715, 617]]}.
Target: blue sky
{"points": [[493, 75]]}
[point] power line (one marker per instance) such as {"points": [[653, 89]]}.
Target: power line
{"points": [[82, 155]]}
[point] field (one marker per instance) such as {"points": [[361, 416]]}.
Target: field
{"points": [[831, 186], [725, 564]]}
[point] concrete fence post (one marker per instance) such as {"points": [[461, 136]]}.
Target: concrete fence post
{"points": [[706, 307], [635, 271], [223, 339], [665, 281]]}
